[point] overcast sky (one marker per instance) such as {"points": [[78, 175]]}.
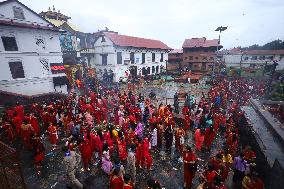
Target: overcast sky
{"points": [[171, 21]]}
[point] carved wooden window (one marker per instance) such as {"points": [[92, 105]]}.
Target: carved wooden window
{"points": [[104, 59], [119, 57], [153, 57], [162, 57], [143, 58]]}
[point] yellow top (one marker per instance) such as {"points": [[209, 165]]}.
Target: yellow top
{"points": [[115, 133], [227, 158]]}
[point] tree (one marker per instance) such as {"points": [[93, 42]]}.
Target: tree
{"points": [[273, 45]]}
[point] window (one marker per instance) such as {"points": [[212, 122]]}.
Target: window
{"points": [[103, 39], [190, 65], [262, 58], [104, 59], [185, 58], [9, 43], [153, 57], [254, 57], [17, 70], [204, 58], [190, 58], [40, 42], [157, 69], [132, 58], [136, 60], [252, 65], [211, 58], [196, 58], [203, 67], [162, 57], [246, 58], [18, 12], [153, 69], [143, 58], [119, 58], [270, 57]]}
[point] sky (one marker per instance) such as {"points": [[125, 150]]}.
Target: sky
{"points": [[172, 21]]}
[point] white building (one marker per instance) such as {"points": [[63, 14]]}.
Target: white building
{"points": [[253, 58], [30, 53], [126, 55]]}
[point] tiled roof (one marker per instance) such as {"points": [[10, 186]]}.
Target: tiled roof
{"points": [[176, 51], [200, 42], [265, 52], [28, 25], [129, 41]]}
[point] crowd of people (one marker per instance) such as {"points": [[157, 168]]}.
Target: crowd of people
{"points": [[121, 130]]}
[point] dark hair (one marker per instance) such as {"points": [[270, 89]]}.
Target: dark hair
{"points": [[65, 149], [116, 171], [219, 156], [218, 180], [127, 178], [152, 183], [188, 148]]}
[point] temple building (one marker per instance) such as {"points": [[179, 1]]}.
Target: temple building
{"points": [[175, 60], [30, 54], [125, 55], [76, 45], [199, 54]]}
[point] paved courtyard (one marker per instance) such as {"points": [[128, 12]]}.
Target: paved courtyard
{"points": [[169, 171]]}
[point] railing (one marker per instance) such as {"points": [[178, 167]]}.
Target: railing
{"points": [[10, 171]]}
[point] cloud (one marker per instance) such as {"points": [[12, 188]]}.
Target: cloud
{"points": [[248, 21]]}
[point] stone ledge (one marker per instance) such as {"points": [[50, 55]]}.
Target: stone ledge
{"points": [[273, 123]]}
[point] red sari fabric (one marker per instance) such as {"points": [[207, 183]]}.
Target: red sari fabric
{"points": [[34, 122], [116, 182], [122, 150], [128, 186], [53, 137], [20, 111], [86, 152], [199, 139], [188, 173]]}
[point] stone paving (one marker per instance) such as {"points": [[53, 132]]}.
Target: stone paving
{"points": [[169, 172]]}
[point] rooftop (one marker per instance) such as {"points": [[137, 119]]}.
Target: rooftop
{"points": [[54, 14], [11, 22], [176, 51], [59, 23], [129, 41], [200, 42], [265, 52]]}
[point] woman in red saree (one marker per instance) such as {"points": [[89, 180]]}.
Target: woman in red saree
{"points": [[86, 153], [116, 182], [53, 136], [122, 151], [190, 167], [199, 138]]}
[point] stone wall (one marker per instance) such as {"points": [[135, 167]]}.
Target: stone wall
{"points": [[271, 175]]}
